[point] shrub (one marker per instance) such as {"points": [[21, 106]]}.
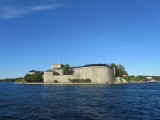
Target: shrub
{"points": [[80, 80], [87, 80], [55, 81]]}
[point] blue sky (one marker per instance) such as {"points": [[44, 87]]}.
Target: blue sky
{"points": [[36, 33]]}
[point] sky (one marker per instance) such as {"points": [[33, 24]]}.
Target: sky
{"points": [[37, 33]]}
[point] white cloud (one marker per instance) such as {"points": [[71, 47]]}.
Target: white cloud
{"points": [[11, 12], [44, 7]]}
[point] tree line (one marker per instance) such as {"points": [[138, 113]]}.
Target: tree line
{"points": [[119, 70], [10, 79], [142, 78]]}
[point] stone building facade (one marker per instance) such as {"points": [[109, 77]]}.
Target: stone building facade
{"points": [[98, 73]]}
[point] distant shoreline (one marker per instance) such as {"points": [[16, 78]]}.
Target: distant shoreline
{"points": [[41, 83]]}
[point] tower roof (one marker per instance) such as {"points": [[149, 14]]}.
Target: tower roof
{"points": [[90, 65]]}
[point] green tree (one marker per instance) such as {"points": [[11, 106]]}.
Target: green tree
{"points": [[119, 69], [113, 65], [37, 77], [27, 78], [66, 70]]}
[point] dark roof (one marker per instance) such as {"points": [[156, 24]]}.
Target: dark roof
{"points": [[49, 71], [32, 71], [90, 65], [36, 71]]}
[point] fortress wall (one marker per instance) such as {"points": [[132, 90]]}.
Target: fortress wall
{"points": [[62, 78], [60, 71], [87, 72], [76, 71], [49, 78], [98, 74]]}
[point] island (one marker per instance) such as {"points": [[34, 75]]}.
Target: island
{"points": [[90, 74], [86, 74]]}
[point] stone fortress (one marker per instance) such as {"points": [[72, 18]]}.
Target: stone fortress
{"points": [[98, 73]]}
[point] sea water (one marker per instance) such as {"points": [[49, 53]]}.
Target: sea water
{"points": [[80, 102]]}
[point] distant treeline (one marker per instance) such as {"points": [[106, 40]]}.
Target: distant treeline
{"points": [[142, 77], [10, 79]]}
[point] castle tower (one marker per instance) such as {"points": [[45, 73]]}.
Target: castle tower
{"points": [[57, 66]]}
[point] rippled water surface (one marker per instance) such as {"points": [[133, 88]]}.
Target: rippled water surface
{"points": [[80, 102]]}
